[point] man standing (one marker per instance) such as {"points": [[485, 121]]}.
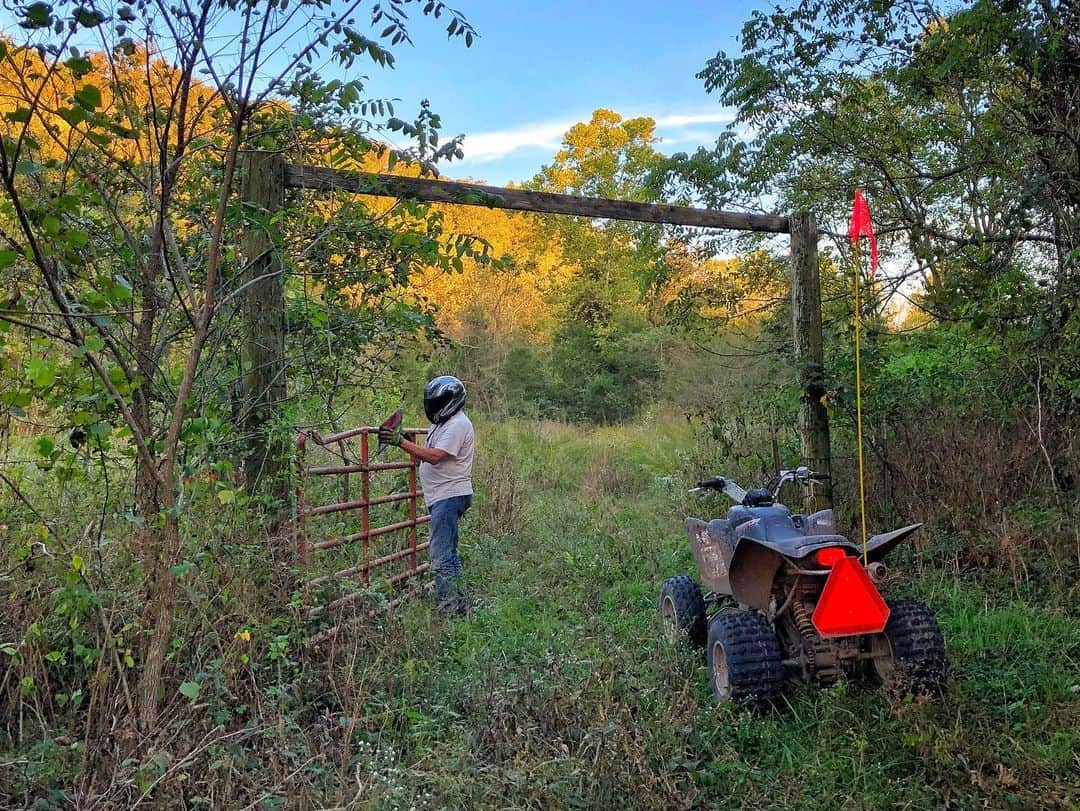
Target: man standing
{"points": [[446, 461]]}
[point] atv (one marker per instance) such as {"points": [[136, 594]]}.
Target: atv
{"points": [[787, 595]]}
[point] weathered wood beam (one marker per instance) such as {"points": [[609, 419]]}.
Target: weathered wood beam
{"points": [[474, 194], [263, 317], [813, 420]]}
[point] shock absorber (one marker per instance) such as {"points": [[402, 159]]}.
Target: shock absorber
{"points": [[801, 614], [821, 654]]}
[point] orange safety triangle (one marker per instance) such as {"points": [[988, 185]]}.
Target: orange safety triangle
{"points": [[849, 603]]}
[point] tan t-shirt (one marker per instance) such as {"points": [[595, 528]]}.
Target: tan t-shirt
{"points": [[453, 475]]}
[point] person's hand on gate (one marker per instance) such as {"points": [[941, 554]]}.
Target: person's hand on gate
{"points": [[390, 436]]}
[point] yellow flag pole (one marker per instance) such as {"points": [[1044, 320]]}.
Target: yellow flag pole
{"points": [[858, 405]]}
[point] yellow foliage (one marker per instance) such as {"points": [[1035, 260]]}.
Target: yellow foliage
{"points": [[721, 288], [514, 298], [135, 90]]}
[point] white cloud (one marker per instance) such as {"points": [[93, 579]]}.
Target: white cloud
{"points": [[719, 117], [483, 147], [688, 136], [546, 136]]}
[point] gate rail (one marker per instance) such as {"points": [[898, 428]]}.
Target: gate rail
{"points": [[363, 467]]}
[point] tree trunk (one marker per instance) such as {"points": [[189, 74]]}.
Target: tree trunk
{"points": [[147, 487], [160, 606]]}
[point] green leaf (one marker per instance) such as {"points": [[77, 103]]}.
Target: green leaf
{"points": [[89, 17], [20, 115], [348, 96], [7, 258], [73, 115], [28, 168], [37, 15], [77, 563], [9, 649], [94, 343], [118, 294], [226, 496], [54, 656], [181, 569], [77, 239], [40, 373], [45, 446], [190, 689], [51, 225], [89, 97], [79, 66]]}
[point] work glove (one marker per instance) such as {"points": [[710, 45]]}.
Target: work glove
{"points": [[389, 436]]}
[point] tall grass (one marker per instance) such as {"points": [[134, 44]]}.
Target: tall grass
{"points": [[557, 692]]}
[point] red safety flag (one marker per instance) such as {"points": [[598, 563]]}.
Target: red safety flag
{"points": [[861, 226]]}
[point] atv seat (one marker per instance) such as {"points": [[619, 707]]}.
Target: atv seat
{"points": [[772, 527]]}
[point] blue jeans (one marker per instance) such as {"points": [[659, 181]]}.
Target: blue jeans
{"points": [[445, 561]]}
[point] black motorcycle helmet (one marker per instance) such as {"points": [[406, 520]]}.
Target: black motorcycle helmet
{"points": [[443, 398]]}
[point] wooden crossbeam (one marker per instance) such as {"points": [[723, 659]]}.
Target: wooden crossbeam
{"points": [[805, 284], [473, 194]]}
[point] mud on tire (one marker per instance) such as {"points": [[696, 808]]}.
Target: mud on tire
{"points": [[682, 611], [743, 656], [911, 650]]}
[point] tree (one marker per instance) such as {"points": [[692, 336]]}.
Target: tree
{"points": [[119, 218], [605, 353], [957, 124]]}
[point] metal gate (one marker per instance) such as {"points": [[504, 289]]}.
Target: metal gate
{"points": [[377, 541]]}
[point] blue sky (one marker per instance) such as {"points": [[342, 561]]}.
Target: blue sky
{"points": [[539, 67]]}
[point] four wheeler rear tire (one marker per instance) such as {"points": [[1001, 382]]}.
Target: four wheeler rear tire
{"points": [[909, 656], [682, 611], [743, 655]]}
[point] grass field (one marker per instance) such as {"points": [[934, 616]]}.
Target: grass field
{"points": [[556, 693]]}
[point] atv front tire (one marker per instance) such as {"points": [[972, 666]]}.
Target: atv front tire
{"points": [[743, 655], [909, 656], [682, 611]]}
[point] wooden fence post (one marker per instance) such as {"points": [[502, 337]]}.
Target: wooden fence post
{"points": [[813, 419], [262, 194]]}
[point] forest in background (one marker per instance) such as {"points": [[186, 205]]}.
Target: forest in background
{"points": [[150, 631]]}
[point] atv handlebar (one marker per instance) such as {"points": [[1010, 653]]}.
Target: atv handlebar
{"points": [[802, 475], [715, 483]]}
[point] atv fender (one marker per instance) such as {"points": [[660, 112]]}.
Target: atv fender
{"points": [[712, 546], [752, 570], [878, 546]]}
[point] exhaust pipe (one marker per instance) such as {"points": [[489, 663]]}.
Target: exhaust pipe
{"points": [[878, 571]]}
